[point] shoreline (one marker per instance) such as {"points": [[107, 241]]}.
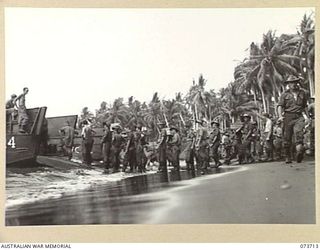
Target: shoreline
{"points": [[266, 193]]}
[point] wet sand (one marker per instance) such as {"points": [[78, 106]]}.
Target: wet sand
{"points": [[264, 193], [255, 193]]}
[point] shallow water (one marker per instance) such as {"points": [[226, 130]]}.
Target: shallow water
{"points": [[47, 196]]}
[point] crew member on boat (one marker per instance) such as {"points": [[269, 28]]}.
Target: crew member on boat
{"points": [[10, 110], [22, 110]]}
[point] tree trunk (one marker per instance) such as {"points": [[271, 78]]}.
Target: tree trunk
{"points": [[263, 99], [311, 82], [196, 115]]}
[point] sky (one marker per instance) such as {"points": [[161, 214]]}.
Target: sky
{"points": [[75, 58]]}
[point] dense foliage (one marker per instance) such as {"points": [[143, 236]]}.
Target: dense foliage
{"points": [[257, 87]]}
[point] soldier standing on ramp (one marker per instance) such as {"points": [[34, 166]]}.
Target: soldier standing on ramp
{"points": [[22, 111]]}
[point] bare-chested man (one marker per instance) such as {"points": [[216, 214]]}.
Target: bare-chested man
{"points": [[22, 110]]}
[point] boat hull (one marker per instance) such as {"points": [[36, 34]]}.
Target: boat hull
{"points": [[23, 148]]}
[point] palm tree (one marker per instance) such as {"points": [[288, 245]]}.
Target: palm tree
{"points": [[303, 47], [152, 115], [172, 111], [86, 115], [101, 114], [184, 113], [197, 98], [266, 68], [134, 113], [118, 112]]}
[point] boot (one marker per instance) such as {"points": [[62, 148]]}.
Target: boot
{"points": [[288, 155], [288, 159], [218, 164], [300, 152]]}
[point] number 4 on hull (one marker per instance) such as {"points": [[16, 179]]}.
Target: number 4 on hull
{"points": [[11, 142]]}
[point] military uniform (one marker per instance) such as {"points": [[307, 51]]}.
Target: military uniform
{"points": [[68, 137], [190, 150], [293, 105], [87, 143], [140, 156], [226, 143], [106, 142], [277, 142], [131, 151], [245, 148], [268, 139], [311, 110], [202, 148], [214, 142], [23, 118], [175, 143], [117, 143], [163, 150]]}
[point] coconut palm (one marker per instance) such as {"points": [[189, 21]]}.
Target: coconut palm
{"points": [[118, 112], [101, 114], [86, 115], [172, 111], [303, 46], [198, 98], [152, 115], [266, 68], [134, 113]]}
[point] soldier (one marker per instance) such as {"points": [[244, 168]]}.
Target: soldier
{"points": [[292, 109], [267, 135], [131, 150], [190, 153], [140, 142], [106, 142], [202, 146], [162, 147], [227, 145], [68, 136], [10, 106], [10, 111], [277, 142], [255, 140], [175, 143], [311, 110], [87, 142], [22, 110], [214, 143], [247, 130], [117, 142]]}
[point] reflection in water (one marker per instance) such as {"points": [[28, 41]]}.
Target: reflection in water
{"points": [[128, 200]]}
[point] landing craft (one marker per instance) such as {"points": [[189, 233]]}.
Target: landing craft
{"points": [[24, 147], [55, 138]]}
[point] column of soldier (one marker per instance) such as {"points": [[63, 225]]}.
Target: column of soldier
{"points": [[283, 135]]}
